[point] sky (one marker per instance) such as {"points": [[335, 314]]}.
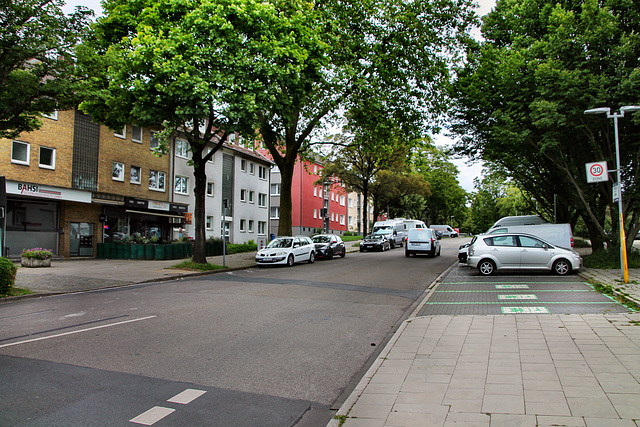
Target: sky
{"points": [[467, 171]]}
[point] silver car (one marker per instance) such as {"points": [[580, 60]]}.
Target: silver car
{"points": [[516, 251]]}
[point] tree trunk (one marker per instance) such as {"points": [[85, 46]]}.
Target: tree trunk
{"points": [[285, 224], [200, 245], [365, 220]]}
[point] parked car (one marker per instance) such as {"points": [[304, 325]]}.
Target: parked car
{"points": [[328, 245], [287, 251], [422, 241], [463, 252], [556, 234], [392, 229], [491, 252], [375, 242], [445, 230]]}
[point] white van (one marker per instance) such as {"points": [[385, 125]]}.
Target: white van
{"points": [[413, 223], [518, 220], [422, 241], [393, 229], [556, 234], [445, 230]]}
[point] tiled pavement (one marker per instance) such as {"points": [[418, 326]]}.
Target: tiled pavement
{"points": [[506, 370]]}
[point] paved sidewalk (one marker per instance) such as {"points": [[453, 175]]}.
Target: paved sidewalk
{"points": [[507, 370]]}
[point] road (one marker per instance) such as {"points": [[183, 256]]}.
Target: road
{"points": [[258, 347]]}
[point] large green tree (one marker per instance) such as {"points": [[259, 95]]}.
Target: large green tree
{"points": [[521, 101], [37, 42], [198, 68]]}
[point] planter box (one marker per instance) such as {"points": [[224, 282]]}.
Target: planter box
{"points": [[33, 262]]}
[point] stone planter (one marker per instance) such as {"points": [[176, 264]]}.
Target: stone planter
{"points": [[33, 262]]}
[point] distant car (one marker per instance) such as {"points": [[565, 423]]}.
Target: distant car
{"points": [[445, 230], [287, 251], [328, 245], [463, 252], [422, 241], [491, 252], [375, 242]]}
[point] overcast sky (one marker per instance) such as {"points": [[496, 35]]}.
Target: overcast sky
{"points": [[467, 172]]}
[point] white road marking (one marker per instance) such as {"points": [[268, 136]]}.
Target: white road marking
{"points": [[152, 416], [517, 296], [82, 313], [524, 310], [187, 396], [512, 286], [76, 332]]}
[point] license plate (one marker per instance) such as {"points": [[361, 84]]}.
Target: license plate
{"points": [[265, 259]]}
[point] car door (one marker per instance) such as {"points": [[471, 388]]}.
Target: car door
{"points": [[534, 252], [506, 251]]}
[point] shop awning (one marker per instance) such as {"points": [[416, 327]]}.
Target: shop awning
{"points": [[154, 213]]}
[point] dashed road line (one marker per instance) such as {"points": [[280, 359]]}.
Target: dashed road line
{"points": [[187, 396], [157, 413]]}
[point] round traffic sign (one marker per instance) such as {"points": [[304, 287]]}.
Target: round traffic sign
{"points": [[596, 170]]}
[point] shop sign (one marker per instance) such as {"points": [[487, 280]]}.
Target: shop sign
{"points": [[187, 217], [178, 208], [158, 206], [46, 192], [136, 203]]}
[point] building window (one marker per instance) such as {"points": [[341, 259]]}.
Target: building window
{"points": [[209, 224], [153, 140], [210, 189], [252, 196], [243, 165], [275, 212], [315, 191], [252, 168], [250, 226], [332, 198], [157, 180], [262, 227], [315, 169], [315, 213], [117, 173], [342, 201], [121, 133], [20, 152], [262, 200], [243, 195], [181, 184], [320, 192], [47, 158], [52, 116], [213, 156], [341, 219], [243, 225], [275, 189], [136, 175], [262, 172], [182, 148], [136, 134]]}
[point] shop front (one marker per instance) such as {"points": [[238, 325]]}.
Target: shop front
{"points": [[34, 216], [140, 218]]}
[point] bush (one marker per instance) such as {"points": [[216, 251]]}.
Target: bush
{"points": [[37, 253], [236, 248], [610, 259], [7, 275], [581, 243]]}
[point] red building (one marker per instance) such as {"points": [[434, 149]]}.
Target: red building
{"points": [[309, 199]]}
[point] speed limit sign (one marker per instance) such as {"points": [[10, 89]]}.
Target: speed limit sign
{"points": [[597, 172]]}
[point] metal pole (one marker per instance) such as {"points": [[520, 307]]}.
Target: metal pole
{"points": [[623, 242]]}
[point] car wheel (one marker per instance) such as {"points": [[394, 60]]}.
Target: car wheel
{"points": [[312, 257], [486, 267], [344, 252], [392, 245], [439, 250], [406, 253], [561, 267], [290, 261], [361, 250], [329, 254]]}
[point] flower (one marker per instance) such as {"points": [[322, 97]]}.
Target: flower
{"points": [[37, 253]]}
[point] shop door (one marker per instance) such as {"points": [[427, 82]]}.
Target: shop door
{"points": [[81, 239]]}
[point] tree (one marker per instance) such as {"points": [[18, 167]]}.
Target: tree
{"points": [[394, 52], [398, 193], [36, 61], [194, 67], [522, 95]]}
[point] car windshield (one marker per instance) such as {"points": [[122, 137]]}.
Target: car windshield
{"points": [[280, 243], [321, 239], [373, 237], [383, 230]]}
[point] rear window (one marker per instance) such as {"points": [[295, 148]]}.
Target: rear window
{"points": [[420, 234], [501, 241]]}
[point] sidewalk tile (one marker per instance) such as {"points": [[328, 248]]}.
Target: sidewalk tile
{"points": [[553, 421], [467, 419], [589, 407], [359, 422], [548, 408], [504, 389], [416, 419], [507, 420], [592, 392], [603, 422], [504, 379], [543, 385], [379, 412], [503, 404], [543, 396], [627, 405], [466, 405]]}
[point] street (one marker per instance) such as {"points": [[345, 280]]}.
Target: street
{"points": [[268, 347]]}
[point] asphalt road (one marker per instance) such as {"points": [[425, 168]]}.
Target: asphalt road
{"points": [[258, 347]]}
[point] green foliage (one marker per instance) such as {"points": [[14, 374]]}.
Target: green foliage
{"points": [[190, 265], [351, 237], [37, 253], [37, 42], [8, 272], [522, 94], [236, 248], [610, 259]]}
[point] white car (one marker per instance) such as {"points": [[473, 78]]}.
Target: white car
{"points": [[287, 251], [422, 241], [514, 251]]}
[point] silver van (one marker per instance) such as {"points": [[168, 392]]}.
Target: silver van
{"points": [[445, 230], [422, 241], [518, 220]]}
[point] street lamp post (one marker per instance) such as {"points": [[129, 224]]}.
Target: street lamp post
{"points": [[623, 247]]}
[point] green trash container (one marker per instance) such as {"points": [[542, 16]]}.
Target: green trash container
{"points": [[160, 252], [120, 251], [100, 250], [149, 251], [127, 251]]}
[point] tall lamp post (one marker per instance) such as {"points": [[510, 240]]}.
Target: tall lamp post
{"points": [[623, 247]]}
